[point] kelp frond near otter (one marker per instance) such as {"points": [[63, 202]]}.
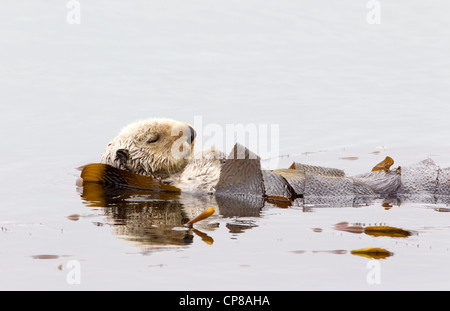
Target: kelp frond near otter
{"points": [[106, 174]]}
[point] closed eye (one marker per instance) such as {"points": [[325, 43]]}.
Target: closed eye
{"points": [[153, 139]]}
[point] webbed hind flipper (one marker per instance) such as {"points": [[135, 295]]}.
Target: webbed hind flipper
{"points": [[295, 179], [241, 174], [317, 170], [381, 179], [278, 187]]}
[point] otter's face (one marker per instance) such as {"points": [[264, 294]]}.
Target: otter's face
{"points": [[155, 147]]}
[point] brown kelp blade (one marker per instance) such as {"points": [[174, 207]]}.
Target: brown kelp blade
{"points": [[387, 231], [202, 216], [372, 252], [376, 231], [383, 165], [109, 175], [94, 194], [205, 238]]}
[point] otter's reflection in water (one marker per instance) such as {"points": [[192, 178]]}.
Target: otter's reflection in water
{"points": [[156, 219]]}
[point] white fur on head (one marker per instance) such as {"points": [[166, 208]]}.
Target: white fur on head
{"points": [[153, 147], [202, 173]]}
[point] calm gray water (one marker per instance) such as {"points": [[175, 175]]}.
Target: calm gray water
{"points": [[337, 87]]}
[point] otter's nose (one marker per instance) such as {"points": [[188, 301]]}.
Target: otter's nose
{"points": [[122, 154], [193, 135]]}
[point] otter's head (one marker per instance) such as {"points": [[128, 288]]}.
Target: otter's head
{"points": [[153, 147]]}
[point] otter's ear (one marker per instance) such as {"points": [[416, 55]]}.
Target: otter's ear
{"points": [[241, 174]]}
